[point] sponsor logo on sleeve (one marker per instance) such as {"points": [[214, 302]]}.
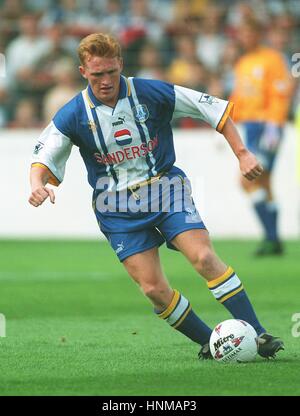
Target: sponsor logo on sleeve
{"points": [[38, 147], [207, 99]]}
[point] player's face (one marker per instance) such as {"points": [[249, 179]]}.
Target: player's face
{"points": [[103, 75], [248, 38]]}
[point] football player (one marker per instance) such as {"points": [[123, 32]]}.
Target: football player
{"points": [[261, 95], [141, 200]]}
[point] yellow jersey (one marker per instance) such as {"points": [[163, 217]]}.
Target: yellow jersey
{"points": [[263, 87]]}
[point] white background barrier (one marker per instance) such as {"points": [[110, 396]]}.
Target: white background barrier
{"points": [[203, 154]]}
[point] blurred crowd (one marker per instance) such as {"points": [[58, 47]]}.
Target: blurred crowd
{"points": [[193, 43]]}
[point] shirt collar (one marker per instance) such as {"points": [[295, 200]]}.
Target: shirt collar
{"points": [[123, 92]]}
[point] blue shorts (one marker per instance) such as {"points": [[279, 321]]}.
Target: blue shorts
{"points": [[134, 232], [254, 132]]}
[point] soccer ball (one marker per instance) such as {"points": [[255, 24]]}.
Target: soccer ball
{"points": [[233, 340]]}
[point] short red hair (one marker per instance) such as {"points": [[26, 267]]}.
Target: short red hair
{"points": [[98, 44]]}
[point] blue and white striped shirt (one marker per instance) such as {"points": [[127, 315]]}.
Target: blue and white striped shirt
{"points": [[128, 143]]}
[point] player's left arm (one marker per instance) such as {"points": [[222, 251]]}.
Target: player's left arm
{"points": [[249, 165], [216, 112]]}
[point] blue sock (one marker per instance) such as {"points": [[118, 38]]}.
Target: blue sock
{"points": [[180, 316], [229, 291], [272, 218], [259, 199]]}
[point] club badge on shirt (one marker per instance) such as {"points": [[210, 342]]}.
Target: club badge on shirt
{"points": [[141, 113]]}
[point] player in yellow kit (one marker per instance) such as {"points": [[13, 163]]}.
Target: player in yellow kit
{"points": [[261, 96]]}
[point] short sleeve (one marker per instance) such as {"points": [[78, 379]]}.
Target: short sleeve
{"points": [[52, 151], [191, 103]]}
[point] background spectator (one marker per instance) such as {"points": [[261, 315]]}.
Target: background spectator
{"points": [[150, 62], [25, 115], [66, 85]]}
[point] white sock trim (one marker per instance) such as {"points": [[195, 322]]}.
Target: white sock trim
{"points": [[179, 311]]}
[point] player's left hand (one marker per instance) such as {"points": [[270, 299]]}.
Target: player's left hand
{"points": [[249, 166]]}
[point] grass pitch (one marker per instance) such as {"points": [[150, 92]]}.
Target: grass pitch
{"points": [[77, 325]]}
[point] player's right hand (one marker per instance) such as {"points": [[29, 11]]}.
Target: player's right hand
{"points": [[39, 195]]}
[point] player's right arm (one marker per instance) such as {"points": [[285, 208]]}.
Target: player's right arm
{"points": [[48, 164], [39, 177]]}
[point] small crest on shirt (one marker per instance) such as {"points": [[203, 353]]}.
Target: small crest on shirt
{"points": [[141, 113], [208, 99]]}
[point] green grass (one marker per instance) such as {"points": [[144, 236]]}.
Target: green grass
{"points": [[77, 325]]}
